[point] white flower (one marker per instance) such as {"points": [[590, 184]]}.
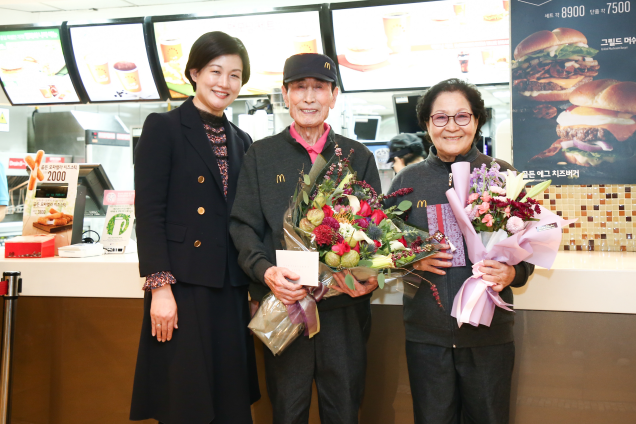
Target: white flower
{"points": [[498, 190], [515, 224], [500, 199], [346, 230], [396, 245]]}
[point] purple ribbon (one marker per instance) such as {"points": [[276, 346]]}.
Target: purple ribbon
{"points": [[305, 311]]}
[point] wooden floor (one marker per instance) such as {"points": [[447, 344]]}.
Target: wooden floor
{"points": [[74, 360]]}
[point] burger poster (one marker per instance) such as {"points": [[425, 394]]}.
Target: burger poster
{"points": [[269, 39], [419, 44], [32, 67], [574, 91], [113, 63]]}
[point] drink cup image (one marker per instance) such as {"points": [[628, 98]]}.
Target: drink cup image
{"points": [[171, 49], [397, 27], [459, 9], [463, 61], [305, 44], [98, 65], [506, 5], [128, 75]]}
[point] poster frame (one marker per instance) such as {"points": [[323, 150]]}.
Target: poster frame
{"points": [[149, 21], [163, 95], [375, 3], [77, 86]]}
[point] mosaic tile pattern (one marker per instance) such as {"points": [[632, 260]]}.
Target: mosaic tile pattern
{"points": [[606, 216]]}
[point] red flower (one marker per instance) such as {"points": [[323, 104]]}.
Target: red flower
{"points": [[341, 248], [325, 235], [377, 244], [327, 210], [365, 209], [357, 248], [377, 216], [403, 241]]}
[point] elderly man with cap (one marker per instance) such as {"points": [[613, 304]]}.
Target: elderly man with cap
{"points": [[405, 149], [336, 357]]}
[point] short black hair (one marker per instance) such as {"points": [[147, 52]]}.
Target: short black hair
{"points": [[333, 84], [472, 94], [212, 45]]}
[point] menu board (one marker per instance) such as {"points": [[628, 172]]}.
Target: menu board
{"points": [[419, 44], [269, 39], [574, 91], [113, 63], [32, 67]]}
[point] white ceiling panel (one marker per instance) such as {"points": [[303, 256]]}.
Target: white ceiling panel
{"points": [[29, 7], [155, 2], [87, 4]]}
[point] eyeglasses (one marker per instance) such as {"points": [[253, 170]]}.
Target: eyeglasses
{"points": [[461, 119]]}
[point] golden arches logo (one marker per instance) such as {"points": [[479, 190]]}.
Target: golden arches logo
{"points": [[328, 65], [280, 178], [421, 203]]}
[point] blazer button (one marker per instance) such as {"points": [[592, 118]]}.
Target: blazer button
{"points": [[197, 243], [201, 179], [201, 211]]}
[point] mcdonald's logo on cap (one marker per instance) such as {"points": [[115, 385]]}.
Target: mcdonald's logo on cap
{"points": [[280, 178], [421, 203], [327, 65]]}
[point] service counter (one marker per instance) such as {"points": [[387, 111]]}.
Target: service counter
{"points": [[78, 324]]}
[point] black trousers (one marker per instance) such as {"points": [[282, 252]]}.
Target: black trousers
{"points": [[449, 384], [336, 358]]}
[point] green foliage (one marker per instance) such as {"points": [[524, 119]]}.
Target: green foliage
{"points": [[349, 282], [381, 280]]}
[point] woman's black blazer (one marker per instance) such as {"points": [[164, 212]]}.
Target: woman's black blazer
{"points": [[182, 215]]}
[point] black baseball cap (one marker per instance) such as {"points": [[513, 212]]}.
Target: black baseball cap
{"points": [[403, 144], [309, 65]]}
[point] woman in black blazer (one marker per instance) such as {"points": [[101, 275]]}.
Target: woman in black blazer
{"points": [[196, 359]]}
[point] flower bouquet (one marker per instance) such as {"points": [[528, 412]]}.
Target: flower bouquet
{"points": [[500, 222], [344, 220]]}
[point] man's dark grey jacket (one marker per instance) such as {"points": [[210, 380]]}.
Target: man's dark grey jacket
{"points": [[424, 320], [269, 176]]}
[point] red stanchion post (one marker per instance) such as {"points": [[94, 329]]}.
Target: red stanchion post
{"points": [[10, 288]]}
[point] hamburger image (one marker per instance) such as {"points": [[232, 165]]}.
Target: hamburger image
{"points": [[549, 65], [600, 125]]}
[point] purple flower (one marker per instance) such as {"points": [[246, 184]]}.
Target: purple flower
{"points": [[362, 222], [331, 222]]}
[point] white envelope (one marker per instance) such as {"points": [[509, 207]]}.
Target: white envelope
{"points": [[304, 264]]}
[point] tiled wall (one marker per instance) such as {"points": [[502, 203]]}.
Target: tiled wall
{"points": [[605, 216]]}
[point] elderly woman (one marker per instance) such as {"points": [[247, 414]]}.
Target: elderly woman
{"points": [[196, 362], [454, 371]]}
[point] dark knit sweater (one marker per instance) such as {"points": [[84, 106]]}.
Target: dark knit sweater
{"points": [[424, 320], [269, 176]]}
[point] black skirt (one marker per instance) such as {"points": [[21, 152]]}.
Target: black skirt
{"points": [[207, 372]]}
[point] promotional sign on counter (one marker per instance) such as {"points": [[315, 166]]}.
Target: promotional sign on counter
{"points": [[419, 44], [32, 67], [574, 91], [113, 62], [50, 199], [268, 38], [119, 220]]}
